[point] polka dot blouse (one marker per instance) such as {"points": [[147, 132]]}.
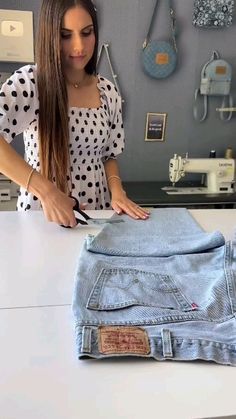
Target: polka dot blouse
{"points": [[95, 135]]}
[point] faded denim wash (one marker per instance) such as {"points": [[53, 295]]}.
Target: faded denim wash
{"points": [[160, 288]]}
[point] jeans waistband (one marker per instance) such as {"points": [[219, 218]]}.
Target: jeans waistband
{"points": [[160, 343]]}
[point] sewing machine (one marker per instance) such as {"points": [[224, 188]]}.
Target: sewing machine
{"points": [[219, 174]]}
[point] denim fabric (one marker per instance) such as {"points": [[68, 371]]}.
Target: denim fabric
{"points": [[160, 288]]}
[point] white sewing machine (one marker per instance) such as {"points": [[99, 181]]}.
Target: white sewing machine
{"points": [[219, 174]]}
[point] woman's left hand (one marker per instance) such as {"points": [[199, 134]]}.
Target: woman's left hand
{"points": [[122, 204]]}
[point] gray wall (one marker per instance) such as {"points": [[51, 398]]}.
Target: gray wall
{"points": [[123, 25]]}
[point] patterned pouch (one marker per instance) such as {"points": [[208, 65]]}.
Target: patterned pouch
{"points": [[213, 13]]}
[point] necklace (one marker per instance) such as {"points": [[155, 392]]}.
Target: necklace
{"points": [[77, 84]]}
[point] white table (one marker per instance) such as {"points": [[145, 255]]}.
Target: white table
{"points": [[40, 376], [38, 259]]}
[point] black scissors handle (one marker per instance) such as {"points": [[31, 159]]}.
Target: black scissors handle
{"points": [[76, 208]]}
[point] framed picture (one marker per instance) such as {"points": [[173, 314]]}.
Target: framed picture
{"points": [[155, 126]]}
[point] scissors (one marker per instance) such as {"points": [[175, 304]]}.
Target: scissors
{"points": [[87, 220]]}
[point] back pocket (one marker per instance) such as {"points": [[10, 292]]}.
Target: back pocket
{"points": [[118, 288]]}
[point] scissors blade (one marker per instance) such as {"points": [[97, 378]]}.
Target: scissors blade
{"points": [[101, 221]]}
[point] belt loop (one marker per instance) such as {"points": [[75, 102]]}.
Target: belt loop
{"points": [[86, 339], [166, 343]]}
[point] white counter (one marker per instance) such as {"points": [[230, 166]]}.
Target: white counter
{"points": [[40, 376]]}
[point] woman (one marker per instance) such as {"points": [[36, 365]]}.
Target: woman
{"points": [[71, 119]]}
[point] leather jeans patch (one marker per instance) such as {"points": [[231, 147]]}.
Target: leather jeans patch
{"points": [[123, 340]]}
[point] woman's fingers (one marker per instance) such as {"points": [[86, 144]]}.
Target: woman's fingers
{"points": [[130, 208], [58, 208]]}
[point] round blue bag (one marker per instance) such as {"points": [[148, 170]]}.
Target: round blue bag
{"points": [[159, 59]]}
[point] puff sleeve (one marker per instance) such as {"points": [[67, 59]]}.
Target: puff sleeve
{"points": [[18, 102], [115, 142]]}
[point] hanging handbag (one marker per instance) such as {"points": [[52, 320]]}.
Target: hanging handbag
{"points": [[216, 76], [213, 13], [159, 58]]}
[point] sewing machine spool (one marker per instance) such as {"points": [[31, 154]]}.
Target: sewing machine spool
{"points": [[229, 153]]}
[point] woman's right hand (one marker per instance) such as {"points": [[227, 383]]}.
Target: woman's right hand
{"points": [[58, 207]]}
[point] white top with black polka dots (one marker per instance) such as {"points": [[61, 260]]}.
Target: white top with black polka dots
{"points": [[96, 135]]}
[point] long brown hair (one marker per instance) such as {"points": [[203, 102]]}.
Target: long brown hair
{"points": [[53, 100]]}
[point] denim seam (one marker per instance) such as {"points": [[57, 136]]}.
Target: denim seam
{"points": [[94, 297], [152, 322], [128, 303], [229, 275], [176, 292]]}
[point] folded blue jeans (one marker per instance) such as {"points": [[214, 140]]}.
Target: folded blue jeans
{"points": [[160, 288]]}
